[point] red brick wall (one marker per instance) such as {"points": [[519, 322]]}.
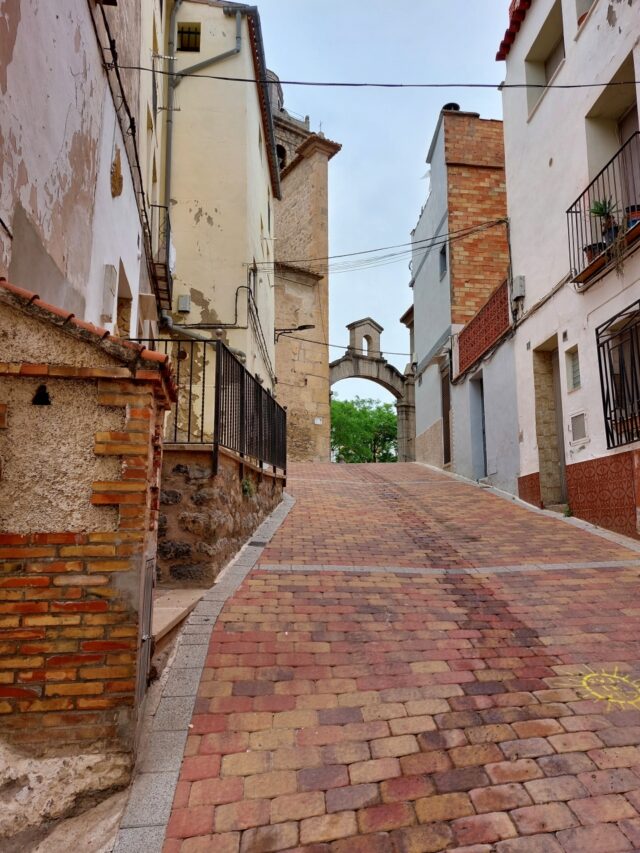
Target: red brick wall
{"points": [[69, 601], [485, 328], [474, 153]]}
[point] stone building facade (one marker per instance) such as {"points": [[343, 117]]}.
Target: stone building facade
{"points": [[302, 282]]}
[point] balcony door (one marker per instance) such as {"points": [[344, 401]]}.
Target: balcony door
{"points": [[630, 166]]}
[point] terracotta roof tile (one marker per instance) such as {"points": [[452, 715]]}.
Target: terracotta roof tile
{"points": [[117, 347], [517, 12]]}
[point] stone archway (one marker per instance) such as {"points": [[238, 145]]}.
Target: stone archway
{"points": [[364, 360]]}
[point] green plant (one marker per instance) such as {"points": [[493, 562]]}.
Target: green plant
{"points": [[248, 489], [568, 512], [604, 208]]}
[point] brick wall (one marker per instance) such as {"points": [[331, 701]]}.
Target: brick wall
{"points": [[474, 153], [485, 328], [69, 600], [71, 579]]}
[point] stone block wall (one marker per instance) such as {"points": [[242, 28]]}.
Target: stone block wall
{"points": [[205, 519]]}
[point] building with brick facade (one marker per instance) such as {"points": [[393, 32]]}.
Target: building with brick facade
{"points": [[573, 187], [302, 286], [459, 258]]}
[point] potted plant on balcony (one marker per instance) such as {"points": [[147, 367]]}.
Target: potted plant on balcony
{"points": [[605, 210]]}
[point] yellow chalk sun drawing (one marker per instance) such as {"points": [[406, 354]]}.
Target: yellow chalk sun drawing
{"points": [[619, 691]]}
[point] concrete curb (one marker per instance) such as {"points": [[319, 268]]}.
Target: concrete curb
{"points": [[144, 822]]}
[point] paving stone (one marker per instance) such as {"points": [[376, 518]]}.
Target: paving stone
{"points": [[424, 670]]}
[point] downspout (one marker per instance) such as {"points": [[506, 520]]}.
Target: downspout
{"points": [[166, 322], [174, 82]]}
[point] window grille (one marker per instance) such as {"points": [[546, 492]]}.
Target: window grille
{"points": [[618, 342], [189, 37]]}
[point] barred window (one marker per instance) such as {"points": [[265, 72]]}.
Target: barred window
{"points": [[189, 37]]}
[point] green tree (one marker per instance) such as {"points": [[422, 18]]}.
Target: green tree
{"points": [[363, 431]]}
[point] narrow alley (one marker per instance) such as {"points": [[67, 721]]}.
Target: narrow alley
{"points": [[414, 664]]}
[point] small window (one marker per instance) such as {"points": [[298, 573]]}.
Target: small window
{"points": [[573, 369], [281, 152], [578, 427], [443, 261], [189, 37]]}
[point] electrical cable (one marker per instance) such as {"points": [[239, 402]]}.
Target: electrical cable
{"points": [[335, 346], [385, 260], [411, 243], [368, 85]]}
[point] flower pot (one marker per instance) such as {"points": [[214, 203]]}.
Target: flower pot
{"points": [[610, 232], [633, 215], [592, 250]]}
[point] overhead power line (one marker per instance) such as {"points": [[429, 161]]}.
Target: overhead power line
{"points": [[411, 243], [335, 346], [394, 257], [335, 84]]}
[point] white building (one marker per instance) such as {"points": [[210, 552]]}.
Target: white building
{"points": [[571, 154], [459, 258]]}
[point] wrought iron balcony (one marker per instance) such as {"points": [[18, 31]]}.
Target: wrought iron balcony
{"points": [[162, 255], [604, 222], [220, 404]]}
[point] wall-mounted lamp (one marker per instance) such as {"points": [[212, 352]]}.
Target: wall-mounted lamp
{"points": [[278, 332]]}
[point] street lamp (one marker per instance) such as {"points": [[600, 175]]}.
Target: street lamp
{"points": [[278, 332]]}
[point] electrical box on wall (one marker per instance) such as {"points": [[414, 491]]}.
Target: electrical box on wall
{"points": [[184, 303]]}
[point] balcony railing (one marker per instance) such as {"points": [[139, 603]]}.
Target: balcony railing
{"points": [[162, 251], [604, 222], [619, 359], [220, 404]]}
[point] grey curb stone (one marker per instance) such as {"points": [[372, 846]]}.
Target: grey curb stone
{"points": [[149, 839], [164, 753], [174, 713], [150, 799], [145, 818], [183, 682]]}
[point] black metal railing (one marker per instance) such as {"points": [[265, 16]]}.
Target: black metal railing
{"points": [[604, 221], [162, 260], [618, 343], [221, 404]]}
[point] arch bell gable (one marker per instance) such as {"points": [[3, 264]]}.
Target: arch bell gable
{"points": [[358, 363]]}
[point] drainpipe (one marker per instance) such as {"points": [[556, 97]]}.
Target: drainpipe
{"points": [[166, 322], [174, 82]]}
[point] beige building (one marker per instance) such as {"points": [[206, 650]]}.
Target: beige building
{"points": [[221, 181], [302, 283]]}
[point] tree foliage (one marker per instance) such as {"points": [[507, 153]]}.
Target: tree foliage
{"points": [[363, 431]]}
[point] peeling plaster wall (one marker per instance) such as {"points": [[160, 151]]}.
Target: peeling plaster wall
{"points": [[57, 141], [220, 188]]}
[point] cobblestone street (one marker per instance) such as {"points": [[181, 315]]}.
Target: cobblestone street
{"points": [[415, 664]]}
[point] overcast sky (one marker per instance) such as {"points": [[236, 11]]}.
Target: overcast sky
{"points": [[377, 183]]}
